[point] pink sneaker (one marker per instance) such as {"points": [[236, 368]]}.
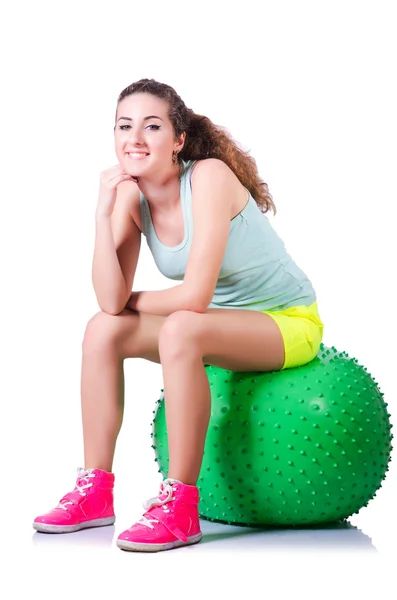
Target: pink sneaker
{"points": [[171, 521], [90, 504]]}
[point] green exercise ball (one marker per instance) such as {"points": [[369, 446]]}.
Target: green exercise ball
{"points": [[302, 446]]}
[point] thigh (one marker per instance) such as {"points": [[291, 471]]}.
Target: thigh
{"points": [[141, 340], [232, 339], [134, 335]]}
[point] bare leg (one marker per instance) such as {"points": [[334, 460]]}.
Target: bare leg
{"points": [[238, 340], [102, 406], [108, 340], [188, 409], [230, 339]]}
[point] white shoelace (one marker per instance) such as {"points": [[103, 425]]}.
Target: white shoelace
{"points": [[165, 486], [83, 476]]}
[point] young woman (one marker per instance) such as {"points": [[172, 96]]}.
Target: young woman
{"points": [[242, 304]]}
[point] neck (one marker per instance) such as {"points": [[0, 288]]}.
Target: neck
{"points": [[162, 191]]}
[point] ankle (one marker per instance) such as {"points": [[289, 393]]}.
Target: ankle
{"points": [[184, 481], [98, 476], [100, 468]]}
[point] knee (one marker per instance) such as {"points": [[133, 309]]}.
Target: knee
{"points": [[179, 332], [102, 331]]}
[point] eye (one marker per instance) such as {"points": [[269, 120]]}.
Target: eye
{"points": [[123, 127]]}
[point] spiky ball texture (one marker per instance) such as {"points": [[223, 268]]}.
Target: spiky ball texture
{"points": [[302, 446]]}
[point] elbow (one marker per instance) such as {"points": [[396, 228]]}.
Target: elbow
{"points": [[114, 309], [197, 304], [111, 311], [198, 308]]}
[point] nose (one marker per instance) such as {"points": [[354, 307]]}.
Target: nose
{"points": [[135, 136]]}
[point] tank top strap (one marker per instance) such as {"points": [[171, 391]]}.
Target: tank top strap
{"points": [[186, 201]]}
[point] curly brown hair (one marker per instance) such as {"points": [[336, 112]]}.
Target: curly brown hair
{"points": [[204, 139]]}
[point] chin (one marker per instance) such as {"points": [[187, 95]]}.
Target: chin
{"points": [[135, 170]]}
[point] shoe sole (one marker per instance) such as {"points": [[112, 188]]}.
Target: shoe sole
{"points": [[47, 528], [141, 547]]}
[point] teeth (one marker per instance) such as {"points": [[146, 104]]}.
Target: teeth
{"points": [[136, 154]]}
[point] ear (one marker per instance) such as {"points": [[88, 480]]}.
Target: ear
{"points": [[181, 141]]}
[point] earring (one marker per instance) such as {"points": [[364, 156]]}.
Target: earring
{"points": [[175, 157]]}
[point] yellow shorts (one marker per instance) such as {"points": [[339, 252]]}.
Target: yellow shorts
{"points": [[302, 331]]}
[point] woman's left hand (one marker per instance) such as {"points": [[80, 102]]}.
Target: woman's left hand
{"points": [[132, 301]]}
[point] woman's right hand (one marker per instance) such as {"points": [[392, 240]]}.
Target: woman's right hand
{"points": [[109, 180]]}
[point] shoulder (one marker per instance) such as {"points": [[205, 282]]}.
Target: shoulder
{"points": [[214, 184], [210, 167], [211, 179], [211, 174]]}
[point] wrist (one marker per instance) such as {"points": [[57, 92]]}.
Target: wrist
{"points": [[132, 301]]}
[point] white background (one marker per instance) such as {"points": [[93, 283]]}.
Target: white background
{"points": [[309, 89]]}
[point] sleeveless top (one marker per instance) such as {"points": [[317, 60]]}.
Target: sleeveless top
{"points": [[256, 272]]}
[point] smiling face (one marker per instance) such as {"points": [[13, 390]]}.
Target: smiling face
{"points": [[144, 137]]}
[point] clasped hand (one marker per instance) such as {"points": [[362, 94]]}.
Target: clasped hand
{"points": [[133, 301]]}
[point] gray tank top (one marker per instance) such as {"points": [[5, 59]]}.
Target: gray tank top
{"points": [[256, 273]]}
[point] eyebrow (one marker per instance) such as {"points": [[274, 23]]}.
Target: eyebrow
{"points": [[145, 119]]}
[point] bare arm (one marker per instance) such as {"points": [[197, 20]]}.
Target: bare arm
{"points": [[164, 302], [116, 252]]}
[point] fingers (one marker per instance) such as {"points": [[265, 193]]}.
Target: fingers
{"points": [[112, 176]]}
